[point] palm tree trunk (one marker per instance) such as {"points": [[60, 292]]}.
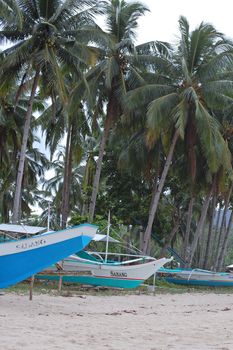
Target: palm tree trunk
{"points": [[67, 178], [17, 198], [222, 229], [155, 185], [170, 238], [64, 190], [225, 242], [200, 226], [216, 233], [155, 199], [202, 243], [221, 236], [188, 228], [218, 219], [210, 231], [95, 189]]}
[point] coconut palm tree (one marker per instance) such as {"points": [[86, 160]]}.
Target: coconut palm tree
{"points": [[108, 78], [182, 108], [11, 130], [68, 127], [55, 187], [43, 36]]}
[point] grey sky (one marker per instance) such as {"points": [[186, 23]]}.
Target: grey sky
{"points": [[162, 22]]}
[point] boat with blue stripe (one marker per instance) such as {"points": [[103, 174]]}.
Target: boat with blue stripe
{"points": [[196, 277], [24, 257], [114, 270], [93, 268]]}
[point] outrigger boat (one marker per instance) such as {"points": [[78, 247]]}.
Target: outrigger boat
{"points": [[26, 250], [106, 269], [196, 277], [90, 268]]}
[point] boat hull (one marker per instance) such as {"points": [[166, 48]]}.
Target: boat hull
{"points": [[196, 277], [107, 275], [95, 281], [26, 257], [204, 283]]}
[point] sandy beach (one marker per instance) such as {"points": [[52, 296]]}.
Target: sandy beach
{"points": [[193, 321]]}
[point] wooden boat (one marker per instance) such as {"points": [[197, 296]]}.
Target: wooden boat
{"points": [[196, 277], [93, 269], [105, 269], [26, 250]]}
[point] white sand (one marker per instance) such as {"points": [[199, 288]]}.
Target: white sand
{"points": [[125, 322]]}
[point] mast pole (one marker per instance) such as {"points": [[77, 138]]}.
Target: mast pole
{"points": [[48, 222], [107, 239]]}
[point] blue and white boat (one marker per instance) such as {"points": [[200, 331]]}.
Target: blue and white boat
{"points": [[91, 268], [196, 277], [113, 270], [24, 257]]}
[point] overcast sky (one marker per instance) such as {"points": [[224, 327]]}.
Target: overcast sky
{"points": [[162, 22]]}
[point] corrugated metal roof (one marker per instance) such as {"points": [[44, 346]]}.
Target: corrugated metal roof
{"points": [[21, 229]]}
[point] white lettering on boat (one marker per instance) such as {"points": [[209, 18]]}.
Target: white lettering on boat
{"points": [[118, 274], [33, 244]]}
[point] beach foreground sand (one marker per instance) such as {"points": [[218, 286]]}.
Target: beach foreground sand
{"points": [[193, 321]]}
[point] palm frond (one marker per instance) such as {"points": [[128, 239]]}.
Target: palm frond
{"points": [[155, 48], [11, 12], [213, 145], [180, 116], [69, 8], [218, 94], [111, 70], [185, 39], [143, 95], [122, 18], [160, 112]]}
